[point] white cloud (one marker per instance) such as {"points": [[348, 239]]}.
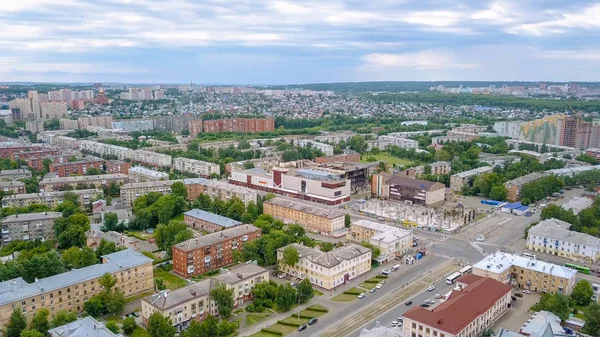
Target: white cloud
{"points": [[497, 13], [433, 18], [424, 60], [14, 65], [588, 18]]}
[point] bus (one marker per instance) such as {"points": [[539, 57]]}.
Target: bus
{"points": [[581, 269], [452, 278], [466, 270]]}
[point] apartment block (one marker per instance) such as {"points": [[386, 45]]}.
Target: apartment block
{"points": [[131, 191], [10, 175], [117, 166], [350, 156], [243, 125], [195, 127], [140, 174], [50, 199], [53, 110], [312, 218], [207, 221], [242, 279], [35, 126], [325, 148], [30, 226], [218, 189], [75, 168], [12, 187], [65, 142], [328, 270], [151, 158], [39, 152], [475, 305], [526, 273], [552, 236], [25, 108], [68, 124], [392, 241], [212, 251], [8, 150], [458, 180], [198, 167], [511, 129], [69, 291], [54, 184], [172, 123], [101, 121], [404, 143], [133, 125], [514, 186], [37, 163]]}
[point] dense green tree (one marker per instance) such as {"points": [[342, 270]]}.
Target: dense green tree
{"points": [[73, 236], [94, 307], [129, 325], [159, 284], [291, 256], [160, 326], [63, 317], [556, 303], [40, 322], [224, 299], [326, 247], [178, 189], [305, 291], [106, 247], [32, 333], [375, 251], [286, 297], [347, 220], [111, 220], [582, 293], [113, 326], [168, 235], [42, 265], [76, 257], [16, 324], [498, 192], [592, 320]]}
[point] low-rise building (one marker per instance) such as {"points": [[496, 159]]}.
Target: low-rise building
{"points": [[10, 175], [69, 291], [50, 199], [325, 148], [140, 174], [396, 187], [392, 241], [328, 269], [404, 143], [203, 220], [459, 180], [347, 157], [12, 187], [29, 226], [212, 251], [131, 191], [513, 187], [312, 218], [198, 167], [54, 184], [76, 168], [219, 189], [242, 279], [552, 236], [83, 327], [475, 305], [526, 273]]}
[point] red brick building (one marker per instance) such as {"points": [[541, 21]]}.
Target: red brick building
{"points": [[79, 104], [117, 166], [34, 154], [76, 168], [37, 163], [195, 127], [344, 157], [9, 151], [245, 125], [203, 220], [210, 252]]}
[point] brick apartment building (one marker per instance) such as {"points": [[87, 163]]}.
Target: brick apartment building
{"points": [[117, 166], [211, 252], [8, 151], [349, 157], [33, 154], [203, 220], [76, 168], [245, 125]]}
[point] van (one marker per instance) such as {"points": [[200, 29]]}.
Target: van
{"points": [[396, 266]]}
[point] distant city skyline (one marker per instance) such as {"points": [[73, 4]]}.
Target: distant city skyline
{"points": [[295, 42]]}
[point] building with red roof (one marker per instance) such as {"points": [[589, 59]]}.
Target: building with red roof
{"points": [[473, 306]]}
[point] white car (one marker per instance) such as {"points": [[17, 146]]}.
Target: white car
{"points": [[525, 291], [282, 275], [396, 323], [429, 301], [379, 285], [438, 296], [361, 296], [386, 272], [430, 288]]}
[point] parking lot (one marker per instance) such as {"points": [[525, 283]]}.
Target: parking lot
{"points": [[518, 314]]}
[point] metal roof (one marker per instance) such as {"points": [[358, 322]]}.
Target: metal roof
{"points": [[212, 217]]}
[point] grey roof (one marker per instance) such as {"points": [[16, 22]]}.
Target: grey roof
{"points": [[83, 327], [499, 262], [559, 230], [314, 210], [144, 184], [148, 172], [51, 194], [212, 217], [17, 289], [32, 217], [11, 183], [211, 239], [223, 185], [240, 273], [474, 171], [83, 178], [538, 324], [329, 259], [16, 171], [520, 181], [414, 183], [578, 204], [166, 299]]}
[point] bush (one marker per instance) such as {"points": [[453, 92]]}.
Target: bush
{"points": [[250, 307], [381, 276], [317, 309], [306, 316], [129, 325], [271, 332], [352, 293], [288, 323], [372, 281]]}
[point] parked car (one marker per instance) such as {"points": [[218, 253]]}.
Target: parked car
{"points": [[275, 273], [437, 296], [361, 296], [518, 295], [312, 321], [408, 303], [293, 284], [513, 298], [429, 301], [373, 290], [386, 272], [430, 288], [395, 324], [525, 291], [282, 275], [302, 327], [425, 305], [136, 314], [379, 285]]}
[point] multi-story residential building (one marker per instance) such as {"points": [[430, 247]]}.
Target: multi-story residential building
{"points": [[100, 121], [54, 184], [470, 128], [198, 167], [335, 137], [68, 124], [35, 153], [325, 148], [218, 189], [328, 270], [68, 291], [12, 187], [133, 124], [265, 163], [131, 191], [10, 175], [195, 127], [552, 236], [475, 305], [117, 166], [312, 218], [67, 96], [140, 174], [526, 273], [86, 326], [242, 279], [513, 187], [244, 125], [499, 161], [25, 108], [404, 143], [212, 251], [151, 158], [53, 110], [392, 241], [35, 126], [511, 129], [105, 150], [10, 149], [29, 226], [76, 168], [50, 199], [79, 104], [377, 144], [54, 96], [211, 222], [173, 123], [349, 156], [395, 187], [459, 180]]}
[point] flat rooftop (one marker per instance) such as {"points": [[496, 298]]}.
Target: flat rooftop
{"points": [[72, 179], [301, 207], [149, 172], [474, 171], [211, 239], [499, 262], [31, 217], [147, 184], [385, 233], [212, 217], [223, 185]]}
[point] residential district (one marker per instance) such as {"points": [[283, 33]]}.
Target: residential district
{"points": [[198, 211]]}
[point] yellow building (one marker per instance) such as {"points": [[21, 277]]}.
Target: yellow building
{"points": [[391, 241], [68, 291], [526, 273], [328, 270], [312, 218]]}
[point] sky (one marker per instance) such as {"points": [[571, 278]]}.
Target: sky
{"points": [[298, 41]]}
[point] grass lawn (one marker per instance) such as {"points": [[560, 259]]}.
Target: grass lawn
{"points": [[308, 312], [256, 317], [262, 334], [284, 329], [142, 235], [139, 332], [294, 319], [179, 217], [171, 281], [138, 296], [387, 158], [368, 286], [317, 293], [344, 298]]}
